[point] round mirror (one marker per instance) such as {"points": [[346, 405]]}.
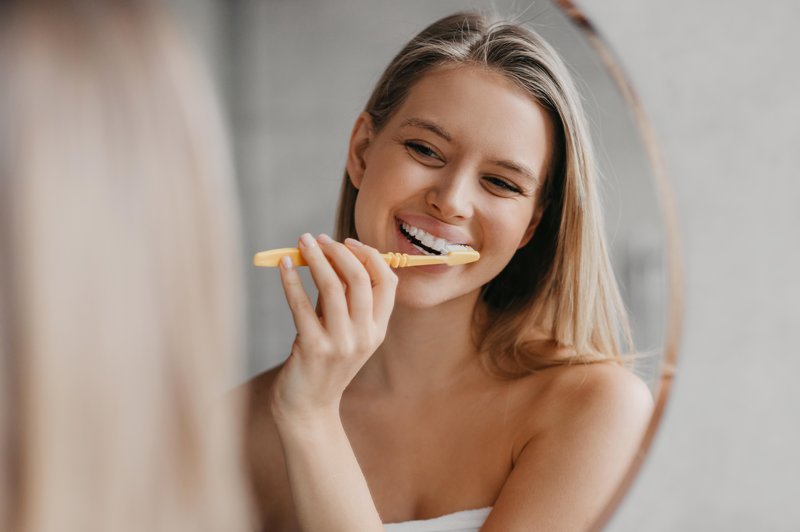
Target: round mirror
{"points": [[295, 76]]}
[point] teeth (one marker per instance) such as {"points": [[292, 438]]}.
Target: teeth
{"points": [[433, 242]]}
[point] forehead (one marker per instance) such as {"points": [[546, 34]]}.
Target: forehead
{"points": [[483, 112]]}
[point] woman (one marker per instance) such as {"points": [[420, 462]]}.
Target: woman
{"points": [[119, 294], [491, 393]]}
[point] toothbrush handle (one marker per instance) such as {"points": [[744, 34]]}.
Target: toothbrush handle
{"points": [[272, 258], [404, 260]]}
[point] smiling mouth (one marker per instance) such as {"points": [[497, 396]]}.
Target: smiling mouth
{"points": [[424, 241]]}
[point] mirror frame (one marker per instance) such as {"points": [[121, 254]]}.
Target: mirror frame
{"points": [[673, 262]]}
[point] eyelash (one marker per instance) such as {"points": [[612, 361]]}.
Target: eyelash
{"points": [[425, 151], [502, 183], [422, 149]]}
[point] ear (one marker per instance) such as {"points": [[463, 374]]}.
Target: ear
{"points": [[537, 217], [360, 140]]}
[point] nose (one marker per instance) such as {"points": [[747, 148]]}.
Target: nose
{"points": [[451, 195]]}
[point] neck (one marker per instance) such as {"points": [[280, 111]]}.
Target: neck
{"points": [[425, 350]]}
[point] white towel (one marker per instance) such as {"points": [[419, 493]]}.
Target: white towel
{"points": [[463, 521]]}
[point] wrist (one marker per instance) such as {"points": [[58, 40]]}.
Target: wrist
{"points": [[291, 417]]}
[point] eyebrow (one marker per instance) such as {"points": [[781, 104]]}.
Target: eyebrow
{"points": [[440, 131], [519, 168], [430, 126]]}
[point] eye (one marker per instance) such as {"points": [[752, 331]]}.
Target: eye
{"points": [[421, 151], [502, 186]]}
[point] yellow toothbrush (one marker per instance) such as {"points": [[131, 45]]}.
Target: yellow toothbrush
{"points": [[457, 255]]}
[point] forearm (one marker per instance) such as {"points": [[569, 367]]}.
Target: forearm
{"points": [[329, 490]]}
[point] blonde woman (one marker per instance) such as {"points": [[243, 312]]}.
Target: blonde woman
{"points": [[487, 396], [119, 299]]}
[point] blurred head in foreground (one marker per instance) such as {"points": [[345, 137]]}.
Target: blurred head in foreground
{"points": [[119, 296]]}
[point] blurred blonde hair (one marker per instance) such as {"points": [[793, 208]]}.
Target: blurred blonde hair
{"points": [[119, 295], [557, 301]]}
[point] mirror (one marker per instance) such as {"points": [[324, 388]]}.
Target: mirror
{"points": [[296, 74]]}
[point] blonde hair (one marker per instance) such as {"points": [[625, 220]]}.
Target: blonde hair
{"points": [[119, 295], [557, 301]]}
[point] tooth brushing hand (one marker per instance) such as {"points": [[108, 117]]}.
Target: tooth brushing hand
{"points": [[356, 296]]}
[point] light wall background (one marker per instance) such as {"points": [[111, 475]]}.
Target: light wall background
{"points": [[721, 84], [719, 81]]}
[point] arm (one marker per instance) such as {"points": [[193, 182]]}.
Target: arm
{"points": [[570, 464], [356, 298]]}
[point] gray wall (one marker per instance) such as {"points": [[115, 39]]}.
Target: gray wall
{"points": [[720, 83]]}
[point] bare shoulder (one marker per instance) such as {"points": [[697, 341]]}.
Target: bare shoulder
{"points": [[258, 391], [256, 396], [580, 428], [604, 387], [583, 403], [263, 452]]}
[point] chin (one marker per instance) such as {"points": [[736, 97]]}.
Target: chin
{"points": [[415, 300], [423, 296]]}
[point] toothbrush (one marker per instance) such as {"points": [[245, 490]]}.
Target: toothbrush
{"points": [[456, 255]]}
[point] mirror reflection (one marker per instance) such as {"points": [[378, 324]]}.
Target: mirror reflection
{"points": [[509, 392]]}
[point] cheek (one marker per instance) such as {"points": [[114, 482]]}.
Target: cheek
{"points": [[505, 233], [378, 195]]}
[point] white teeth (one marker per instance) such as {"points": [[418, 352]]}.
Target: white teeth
{"points": [[426, 239], [433, 242]]}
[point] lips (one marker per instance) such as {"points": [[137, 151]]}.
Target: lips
{"points": [[430, 237]]}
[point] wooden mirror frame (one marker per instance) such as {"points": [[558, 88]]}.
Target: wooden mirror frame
{"points": [[673, 262]]}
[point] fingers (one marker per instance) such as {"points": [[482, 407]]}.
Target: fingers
{"points": [[355, 277], [382, 278], [332, 302], [355, 284], [305, 319]]}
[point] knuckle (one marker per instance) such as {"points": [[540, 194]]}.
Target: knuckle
{"points": [[293, 281], [362, 345], [324, 346], [360, 276], [341, 353], [338, 249], [330, 285], [329, 247]]}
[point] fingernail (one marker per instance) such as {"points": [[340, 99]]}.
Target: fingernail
{"points": [[325, 239], [286, 262], [352, 242], [307, 240]]}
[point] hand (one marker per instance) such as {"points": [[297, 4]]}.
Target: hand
{"points": [[356, 297]]}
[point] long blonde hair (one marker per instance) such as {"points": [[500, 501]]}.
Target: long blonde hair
{"points": [[557, 301], [119, 295]]}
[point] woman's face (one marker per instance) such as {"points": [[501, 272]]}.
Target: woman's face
{"points": [[462, 160]]}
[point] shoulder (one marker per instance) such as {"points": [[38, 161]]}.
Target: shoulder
{"points": [[256, 397], [258, 391], [599, 387], [580, 428], [587, 399], [263, 452]]}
